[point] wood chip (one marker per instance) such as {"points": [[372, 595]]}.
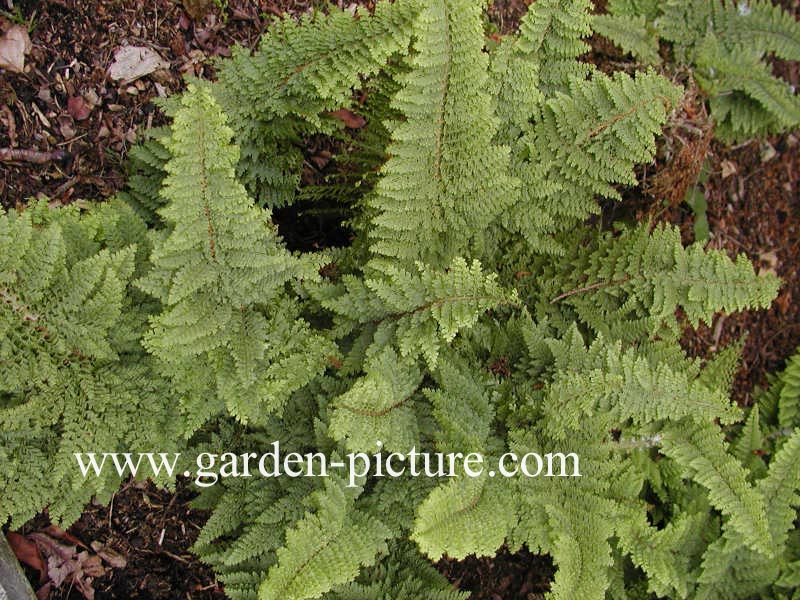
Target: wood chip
{"points": [[14, 45], [132, 62]]}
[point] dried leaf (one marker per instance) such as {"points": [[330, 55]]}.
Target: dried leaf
{"points": [[51, 547], [350, 119], [58, 533], [91, 565], [60, 570], [78, 108], [44, 592], [769, 263], [132, 62], [26, 552], [111, 556], [768, 152], [66, 564], [728, 168], [14, 45]]}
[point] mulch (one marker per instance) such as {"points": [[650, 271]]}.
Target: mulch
{"points": [[80, 124]]}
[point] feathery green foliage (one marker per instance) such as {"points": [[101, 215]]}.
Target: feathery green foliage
{"points": [[227, 330], [74, 378], [726, 42]]}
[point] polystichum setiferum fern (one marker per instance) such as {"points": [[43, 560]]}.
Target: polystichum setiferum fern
{"points": [[728, 44], [474, 246]]}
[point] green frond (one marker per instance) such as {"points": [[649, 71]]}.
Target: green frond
{"points": [[552, 34], [587, 140], [622, 385], [581, 551], [65, 329], [720, 370], [631, 33], [216, 270], [780, 489], [752, 23], [700, 451], [749, 444], [647, 275], [789, 395], [146, 174], [325, 548], [650, 9], [462, 407], [769, 104], [666, 555], [402, 575], [301, 71], [420, 308], [464, 516], [445, 180], [379, 407]]}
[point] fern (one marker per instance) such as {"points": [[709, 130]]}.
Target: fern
{"points": [[631, 33], [445, 176], [726, 43], [324, 549], [66, 322], [582, 145], [302, 71], [213, 285]]}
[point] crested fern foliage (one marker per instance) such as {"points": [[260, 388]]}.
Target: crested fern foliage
{"points": [[74, 376], [483, 307], [220, 273], [727, 43]]}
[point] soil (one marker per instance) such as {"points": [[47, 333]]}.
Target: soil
{"points": [[66, 106]]}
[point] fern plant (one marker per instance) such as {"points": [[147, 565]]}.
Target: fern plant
{"points": [[75, 377], [476, 245], [728, 44]]}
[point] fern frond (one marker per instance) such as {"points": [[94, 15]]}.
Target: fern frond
{"points": [[700, 451], [325, 548], [215, 270], [379, 407], [463, 516], [631, 33], [446, 180], [586, 142], [302, 70], [552, 34]]}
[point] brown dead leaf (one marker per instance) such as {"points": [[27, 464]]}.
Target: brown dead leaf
{"points": [[784, 301], [92, 565], [14, 45], [78, 108], [769, 263], [44, 592], [59, 534], [321, 159], [728, 168], [768, 152], [66, 565], [26, 552], [132, 62], [349, 118], [111, 556]]}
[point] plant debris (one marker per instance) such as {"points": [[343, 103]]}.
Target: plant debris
{"points": [[14, 45]]}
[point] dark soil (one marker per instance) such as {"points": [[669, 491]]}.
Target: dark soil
{"points": [[152, 529], [755, 210], [65, 104]]}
